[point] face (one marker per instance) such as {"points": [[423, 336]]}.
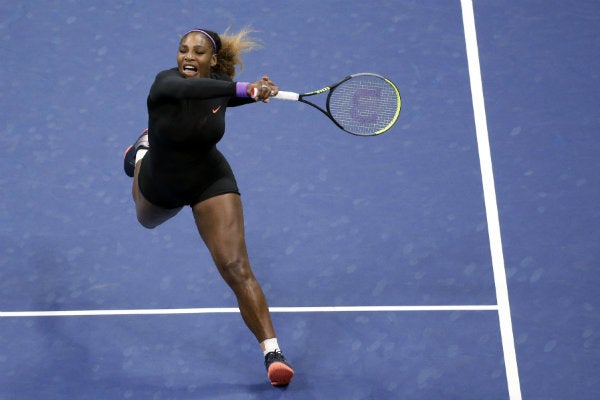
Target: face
{"points": [[195, 56]]}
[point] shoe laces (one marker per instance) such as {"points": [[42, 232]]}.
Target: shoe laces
{"points": [[273, 356]]}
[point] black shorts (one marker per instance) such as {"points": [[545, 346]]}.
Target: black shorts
{"points": [[175, 189]]}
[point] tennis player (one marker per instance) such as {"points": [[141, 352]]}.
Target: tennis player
{"points": [[175, 163]]}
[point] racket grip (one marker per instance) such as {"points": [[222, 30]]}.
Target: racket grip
{"points": [[282, 95]]}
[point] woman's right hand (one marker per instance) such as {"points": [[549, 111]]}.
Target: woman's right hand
{"points": [[263, 89]]}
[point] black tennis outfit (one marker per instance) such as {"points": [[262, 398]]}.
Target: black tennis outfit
{"points": [[186, 121]]}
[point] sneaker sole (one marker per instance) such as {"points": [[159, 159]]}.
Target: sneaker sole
{"points": [[127, 151], [280, 374]]}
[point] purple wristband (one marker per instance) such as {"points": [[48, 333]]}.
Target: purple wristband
{"points": [[241, 89]]}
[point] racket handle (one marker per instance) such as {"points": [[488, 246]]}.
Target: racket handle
{"points": [[282, 95]]}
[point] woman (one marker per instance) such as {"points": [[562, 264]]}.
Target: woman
{"points": [[175, 163]]}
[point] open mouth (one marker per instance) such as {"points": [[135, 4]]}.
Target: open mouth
{"points": [[189, 69]]}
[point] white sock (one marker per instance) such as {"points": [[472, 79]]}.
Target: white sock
{"points": [[269, 345], [140, 154]]}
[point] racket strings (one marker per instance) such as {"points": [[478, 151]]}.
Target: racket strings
{"points": [[365, 105]]}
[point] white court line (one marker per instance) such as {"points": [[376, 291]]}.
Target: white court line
{"points": [[167, 311], [491, 207]]}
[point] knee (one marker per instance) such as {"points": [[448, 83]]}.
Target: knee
{"points": [[146, 222], [236, 272]]}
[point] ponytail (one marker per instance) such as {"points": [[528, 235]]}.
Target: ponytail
{"points": [[232, 47]]}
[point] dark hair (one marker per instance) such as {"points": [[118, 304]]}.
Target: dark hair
{"points": [[213, 36]]}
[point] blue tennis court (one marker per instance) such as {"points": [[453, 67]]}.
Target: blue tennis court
{"points": [[454, 257]]}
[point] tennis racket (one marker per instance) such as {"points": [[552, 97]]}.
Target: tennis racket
{"points": [[364, 104]]}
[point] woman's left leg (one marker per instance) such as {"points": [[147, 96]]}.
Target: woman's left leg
{"points": [[220, 222]]}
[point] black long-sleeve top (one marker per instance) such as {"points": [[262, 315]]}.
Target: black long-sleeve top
{"points": [[187, 116], [186, 119]]}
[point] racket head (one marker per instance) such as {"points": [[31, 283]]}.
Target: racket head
{"points": [[364, 104]]}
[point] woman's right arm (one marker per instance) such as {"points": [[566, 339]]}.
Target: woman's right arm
{"points": [[171, 85]]}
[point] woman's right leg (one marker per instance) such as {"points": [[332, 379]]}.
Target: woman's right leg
{"points": [[149, 215]]}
